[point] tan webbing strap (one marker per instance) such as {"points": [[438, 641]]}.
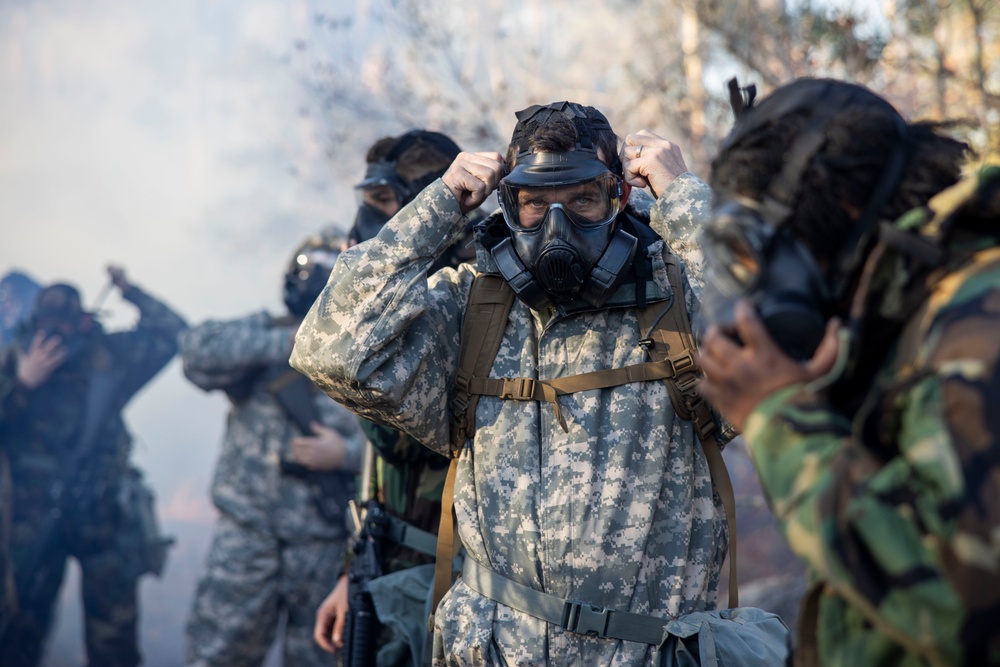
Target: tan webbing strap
{"points": [[490, 300], [447, 544], [486, 313], [668, 336], [807, 649], [530, 389]]}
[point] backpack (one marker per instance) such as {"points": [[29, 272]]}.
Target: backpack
{"points": [[667, 339]]}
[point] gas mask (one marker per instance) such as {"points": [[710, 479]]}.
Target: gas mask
{"points": [[57, 312], [384, 172], [308, 273], [370, 219], [747, 257], [750, 250], [561, 209]]}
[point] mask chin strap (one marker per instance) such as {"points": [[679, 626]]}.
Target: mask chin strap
{"points": [[601, 283]]}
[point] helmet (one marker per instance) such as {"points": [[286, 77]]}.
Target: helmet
{"points": [[309, 269]]}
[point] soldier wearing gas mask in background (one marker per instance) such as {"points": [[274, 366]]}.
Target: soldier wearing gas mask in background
{"points": [[282, 482], [852, 318], [408, 478], [600, 495], [70, 489]]}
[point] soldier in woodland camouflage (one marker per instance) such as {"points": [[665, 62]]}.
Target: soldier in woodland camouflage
{"points": [[63, 385], [615, 510], [880, 451], [276, 546]]}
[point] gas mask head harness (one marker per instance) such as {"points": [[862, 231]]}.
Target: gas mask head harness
{"points": [[751, 252], [309, 271], [384, 172], [561, 210]]}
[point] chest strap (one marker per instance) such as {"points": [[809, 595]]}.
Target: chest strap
{"points": [[530, 389], [580, 617], [411, 537]]}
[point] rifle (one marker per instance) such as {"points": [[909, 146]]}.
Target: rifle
{"points": [[362, 625]]}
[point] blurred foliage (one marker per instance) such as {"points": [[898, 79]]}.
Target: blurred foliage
{"points": [[378, 67]]}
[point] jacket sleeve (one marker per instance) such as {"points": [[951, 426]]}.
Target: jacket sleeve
{"points": [[907, 531], [678, 216], [383, 338], [145, 350], [222, 354]]}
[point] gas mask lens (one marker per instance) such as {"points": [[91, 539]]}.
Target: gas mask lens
{"points": [[588, 204], [735, 247]]}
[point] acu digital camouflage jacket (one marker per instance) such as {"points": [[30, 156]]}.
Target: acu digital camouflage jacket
{"points": [[618, 512]]}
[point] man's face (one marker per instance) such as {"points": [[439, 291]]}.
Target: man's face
{"points": [[383, 198], [587, 201]]}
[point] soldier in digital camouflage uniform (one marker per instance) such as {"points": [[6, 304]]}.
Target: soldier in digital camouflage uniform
{"points": [[280, 533], [409, 477], [617, 510], [63, 386], [879, 451]]}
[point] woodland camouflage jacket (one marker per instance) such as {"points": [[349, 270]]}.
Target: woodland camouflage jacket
{"points": [[901, 531]]}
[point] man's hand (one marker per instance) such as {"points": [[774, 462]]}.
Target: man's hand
{"points": [[737, 378], [325, 450], [651, 160], [472, 177], [329, 629], [117, 276], [43, 357]]}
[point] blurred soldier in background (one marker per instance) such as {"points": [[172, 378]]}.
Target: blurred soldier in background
{"points": [[877, 442], [17, 291], [283, 480], [409, 477], [70, 490]]}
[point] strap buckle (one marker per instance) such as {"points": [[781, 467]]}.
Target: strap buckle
{"points": [[682, 363], [586, 619], [518, 389]]}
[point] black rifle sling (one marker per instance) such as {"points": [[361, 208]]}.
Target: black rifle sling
{"points": [[490, 300]]}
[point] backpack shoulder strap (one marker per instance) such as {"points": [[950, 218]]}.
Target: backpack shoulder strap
{"points": [[490, 301], [668, 337]]}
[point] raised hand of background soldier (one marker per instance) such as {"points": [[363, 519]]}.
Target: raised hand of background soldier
{"points": [[472, 177], [118, 278], [649, 159], [44, 356], [325, 450]]}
